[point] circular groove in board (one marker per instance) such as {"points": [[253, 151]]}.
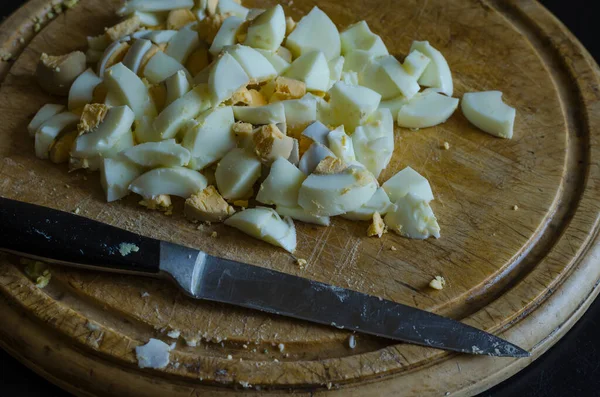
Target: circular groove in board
{"points": [[505, 281]]}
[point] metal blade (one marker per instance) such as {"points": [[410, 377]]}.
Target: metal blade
{"points": [[221, 280]]}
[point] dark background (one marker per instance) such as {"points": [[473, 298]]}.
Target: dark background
{"points": [[571, 368]]}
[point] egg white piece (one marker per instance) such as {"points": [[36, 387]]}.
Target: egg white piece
{"points": [[45, 113], [115, 177], [226, 36], [256, 66], [82, 90], [336, 194], [408, 181], [427, 109], [379, 202], [265, 224], [487, 112], [360, 37], [175, 116], [177, 86], [167, 153], [49, 130], [299, 214], [313, 156], [351, 105], [210, 137], [174, 181], [311, 68], [413, 218], [267, 30], [116, 124], [272, 113], [282, 185], [373, 142], [437, 74], [315, 31], [236, 174], [183, 43], [226, 77]]}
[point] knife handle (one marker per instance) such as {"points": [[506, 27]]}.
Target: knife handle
{"points": [[60, 237]]}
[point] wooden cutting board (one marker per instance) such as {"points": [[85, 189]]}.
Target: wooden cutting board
{"points": [[526, 275]]}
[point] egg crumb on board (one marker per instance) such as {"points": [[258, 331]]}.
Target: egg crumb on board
{"points": [[154, 354], [352, 341], [265, 82], [161, 202], [37, 271], [438, 283], [377, 227], [301, 263]]}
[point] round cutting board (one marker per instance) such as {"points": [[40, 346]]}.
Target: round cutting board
{"points": [[519, 223]]}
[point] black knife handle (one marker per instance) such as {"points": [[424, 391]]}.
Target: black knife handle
{"points": [[62, 237]]}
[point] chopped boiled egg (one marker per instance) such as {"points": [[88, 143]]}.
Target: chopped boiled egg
{"points": [[210, 137], [166, 153], [82, 89], [270, 143], [341, 144], [437, 74], [267, 30], [379, 202], [283, 88], [175, 116], [313, 156], [226, 35], [256, 66], [266, 224], [299, 214], [352, 105], [115, 177], [278, 62], [373, 142], [408, 181], [45, 113], [336, 194], [226, 77], [311, 68], [315, 31], [359, 37], [282, 185], [259, 115], [487, 112], [427, 109], [413, 218], [182, 44], [207, 206], [378, 227], [49, 130], [386, 76], [176, 181], [116, 124], [236, 174]]}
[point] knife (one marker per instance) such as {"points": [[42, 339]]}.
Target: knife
{"points": [[67, 239]]}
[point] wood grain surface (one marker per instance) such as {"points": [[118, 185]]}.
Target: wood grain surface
{"points": [[526, 275]]}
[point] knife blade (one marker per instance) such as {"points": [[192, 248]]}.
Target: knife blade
{"points": [[67, 239]]}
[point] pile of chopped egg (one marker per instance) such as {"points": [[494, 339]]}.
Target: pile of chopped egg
{"points": [[253, 118]]}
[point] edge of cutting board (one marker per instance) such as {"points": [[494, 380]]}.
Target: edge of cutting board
{"points": [[84, 373]]}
